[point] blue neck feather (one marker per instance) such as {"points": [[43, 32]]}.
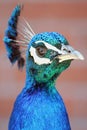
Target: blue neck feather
{"points": [[42, 108]]}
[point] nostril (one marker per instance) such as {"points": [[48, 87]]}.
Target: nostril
{"points": [[69, 51]]}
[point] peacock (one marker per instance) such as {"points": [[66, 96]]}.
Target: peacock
{"points": [[39, 106]]}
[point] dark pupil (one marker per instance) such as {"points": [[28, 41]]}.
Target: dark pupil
{"points": [[41, 51]]}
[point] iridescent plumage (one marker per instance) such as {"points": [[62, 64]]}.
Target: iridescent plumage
{"points": [[39, 106]]}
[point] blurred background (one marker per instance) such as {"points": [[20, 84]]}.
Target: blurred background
{"points": [[68, 17]]}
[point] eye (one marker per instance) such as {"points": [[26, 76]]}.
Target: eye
{"points": [[41, 51]]}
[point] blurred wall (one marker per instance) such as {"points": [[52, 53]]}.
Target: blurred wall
{"points": [[67, 17]]}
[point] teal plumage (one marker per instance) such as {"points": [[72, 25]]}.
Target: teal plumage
{"points": [[39, 106]]}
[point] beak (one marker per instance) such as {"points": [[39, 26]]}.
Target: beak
{"points": [[68, 53]]}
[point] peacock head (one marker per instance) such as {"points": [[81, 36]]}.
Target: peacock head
{"points": [[49, 54]]}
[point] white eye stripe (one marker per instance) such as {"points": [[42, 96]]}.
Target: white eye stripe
{"points": [[38, 59], [49, 46], [42, 60]]}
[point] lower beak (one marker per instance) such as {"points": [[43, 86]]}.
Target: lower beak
{"points": [[71, 55]]}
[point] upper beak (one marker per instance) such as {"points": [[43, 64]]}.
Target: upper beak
{"points": [[68, 53]]}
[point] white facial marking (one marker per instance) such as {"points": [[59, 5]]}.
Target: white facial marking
{"points": [[38, 59], [49, 46], [41, 60]]}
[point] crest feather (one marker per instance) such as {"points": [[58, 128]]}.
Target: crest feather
{"points": [[17, 37]]}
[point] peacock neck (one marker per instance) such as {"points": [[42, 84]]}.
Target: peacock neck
{"points": [[47, 86]]}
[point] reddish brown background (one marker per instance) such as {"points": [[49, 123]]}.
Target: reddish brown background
{"points": [[67, 17]]}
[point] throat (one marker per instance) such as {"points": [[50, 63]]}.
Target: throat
{"points": [[32, 86]]}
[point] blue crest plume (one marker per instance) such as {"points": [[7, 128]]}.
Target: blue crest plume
{"points": [[12, 39], [10, 35]]}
